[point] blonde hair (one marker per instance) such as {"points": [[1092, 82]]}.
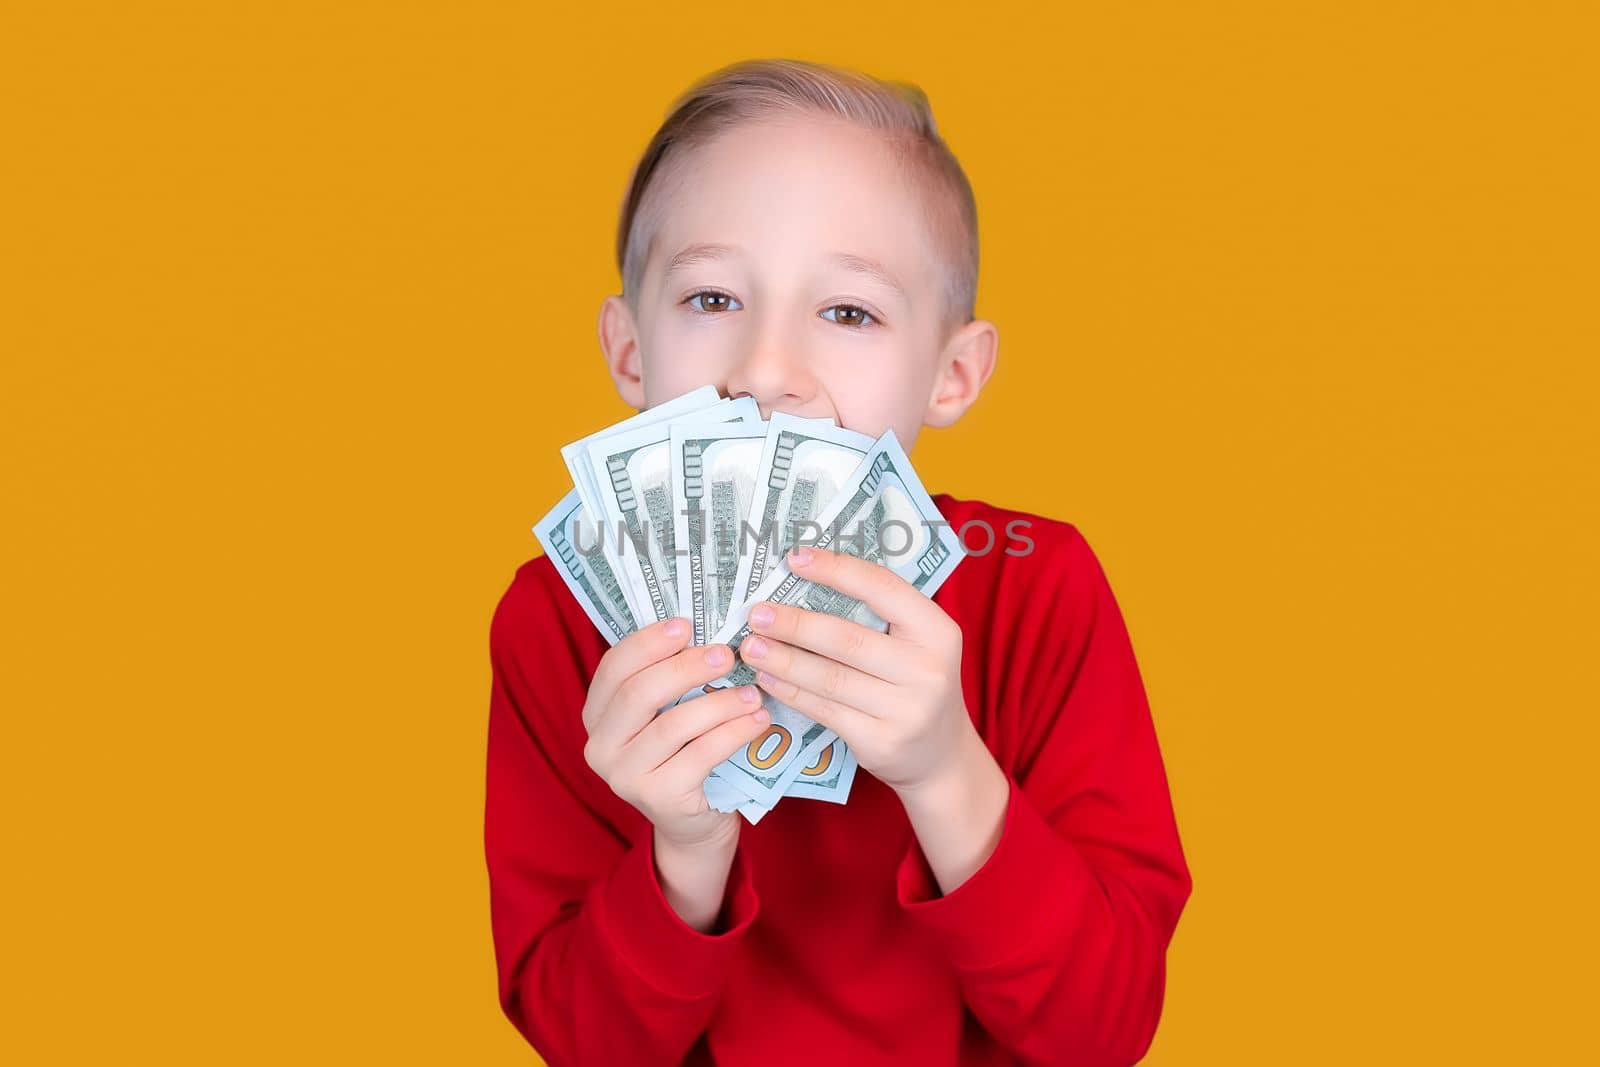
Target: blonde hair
{"points": [[762, 88]]}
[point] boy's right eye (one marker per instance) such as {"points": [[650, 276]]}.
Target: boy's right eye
{"points": [[713, 296]]}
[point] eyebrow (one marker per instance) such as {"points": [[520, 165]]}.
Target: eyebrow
{"points": [[870, 268], [699, 253], [710, 253]]}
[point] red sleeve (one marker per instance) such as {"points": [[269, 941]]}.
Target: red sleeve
{"points": [[594, 965], [1060, 938]]}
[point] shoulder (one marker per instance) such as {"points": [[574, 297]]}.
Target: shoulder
{"points": [[537, 624], [1020, 569], [526, 602]]}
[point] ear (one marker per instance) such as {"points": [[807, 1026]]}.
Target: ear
{"points": [[619, 343], [964, 366]]}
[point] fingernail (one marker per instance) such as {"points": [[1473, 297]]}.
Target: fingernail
{"points": [[753, 648], [800, 556], [762, 615], [677, 627], [718, 656], [761, 716], [764, 678], [749, 694]]}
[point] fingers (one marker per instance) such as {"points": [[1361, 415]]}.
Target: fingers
{"points": [[699, 757], [649, 690], [668, 732], [855, 726], [630, 655], [844, 640], [825, 677], [890, 596]]}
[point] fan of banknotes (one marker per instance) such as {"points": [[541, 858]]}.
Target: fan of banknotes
{"points": [[688, 508]]}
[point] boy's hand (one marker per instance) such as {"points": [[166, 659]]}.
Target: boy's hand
{"points": [[896, 700], [894, 697], [659, 763]]}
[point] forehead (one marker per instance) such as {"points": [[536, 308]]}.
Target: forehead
{"points": [[796, 193]]}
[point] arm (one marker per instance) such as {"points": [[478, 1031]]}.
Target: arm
{"points": [[1062, 875], [594, 965], [1059, 936]]}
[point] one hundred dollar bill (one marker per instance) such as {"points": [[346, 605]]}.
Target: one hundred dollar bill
{"points": [[713, 473], [824, 771], [803, 464], [571, 538], [749, 491], [882, 514], [576, 457], [828, 776], [634, 470], [724, 797]]}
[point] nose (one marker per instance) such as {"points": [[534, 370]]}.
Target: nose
{"points": [[774, 372]]}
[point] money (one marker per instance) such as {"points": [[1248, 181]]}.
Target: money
{"points": [[587, 571], [576, 456], [634, 473], [686, 509], [883, 514], [824, 771], [713, 474], [827, 776], [803, 464]]}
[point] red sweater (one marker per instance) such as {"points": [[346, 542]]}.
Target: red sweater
{"points": [[835, 945]]}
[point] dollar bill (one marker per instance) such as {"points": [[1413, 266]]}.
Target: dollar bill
{"points": [[827, 776], [802, 466], [824, 771], [676, 511], [882, 514], [576, 457], [570, 537], [724, 797], [635, 488], [713, 473]]}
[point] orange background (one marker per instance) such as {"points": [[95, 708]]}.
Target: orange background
{"points": [[1297, 325]]}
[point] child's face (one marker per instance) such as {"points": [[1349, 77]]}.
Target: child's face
{"points": [[776, 314]]}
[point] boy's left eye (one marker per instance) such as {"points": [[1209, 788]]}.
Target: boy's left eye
{"points": [[855, 315]]}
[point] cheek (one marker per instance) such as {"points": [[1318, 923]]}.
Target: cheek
{"points": [[887, 391], [676, 357]]}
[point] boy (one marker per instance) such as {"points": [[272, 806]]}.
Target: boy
{"points": [[1003, 883]]}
